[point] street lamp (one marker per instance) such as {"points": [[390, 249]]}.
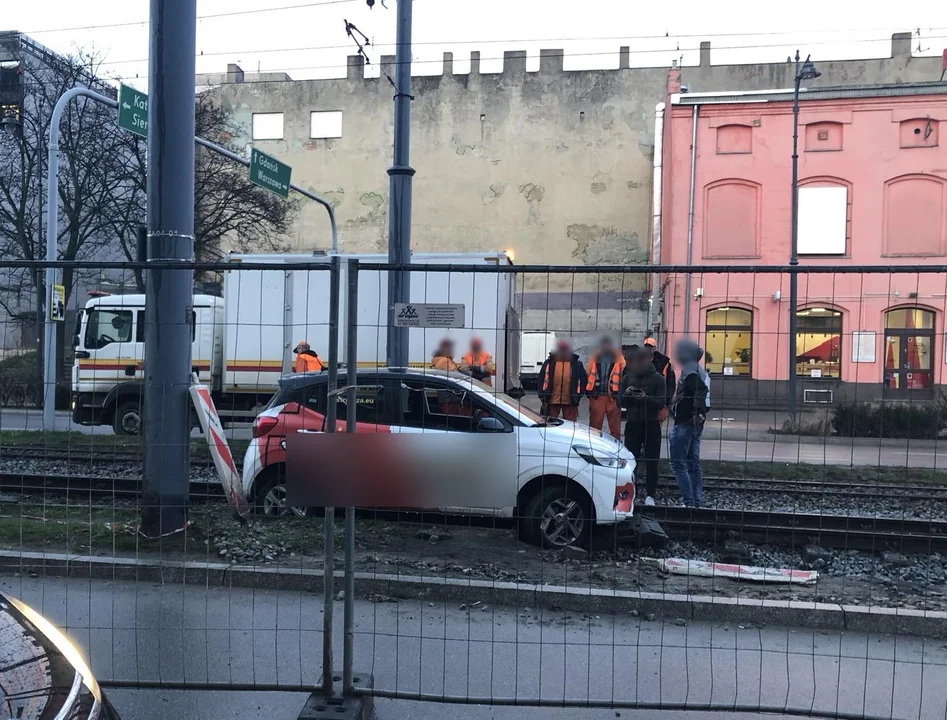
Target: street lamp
{"points": [[806, 72]]}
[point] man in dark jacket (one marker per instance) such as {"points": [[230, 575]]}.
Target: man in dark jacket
{"points": [[689, 409], [643, 397], [562, 382], [662, 363]]}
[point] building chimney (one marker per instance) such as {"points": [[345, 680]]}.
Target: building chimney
{"points": [[674, 79], [901, 45], [234, 74], [448, 63], [356, 67], [705, 53], [624, 57]]}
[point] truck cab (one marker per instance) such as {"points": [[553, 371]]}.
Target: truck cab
{"points": [[108, 370]]}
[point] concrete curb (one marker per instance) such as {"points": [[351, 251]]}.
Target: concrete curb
{"points": [[827, 616]]}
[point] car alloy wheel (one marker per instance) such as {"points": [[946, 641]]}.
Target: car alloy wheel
{"points": [[274, 503], [563, 522]]}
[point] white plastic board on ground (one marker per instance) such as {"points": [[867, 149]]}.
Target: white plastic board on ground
{"points": [[702, 568], [219, 449]]}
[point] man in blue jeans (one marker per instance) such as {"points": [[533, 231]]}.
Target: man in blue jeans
{"points": [[689, 410]]}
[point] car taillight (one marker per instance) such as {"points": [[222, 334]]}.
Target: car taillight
{"points": [[263, 425]]}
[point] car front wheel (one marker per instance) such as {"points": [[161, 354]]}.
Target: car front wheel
{"points": [[558, 516]]}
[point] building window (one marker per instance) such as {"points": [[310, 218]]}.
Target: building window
{"points": [[734, 139], [268, 126], [919, 132], [325, 124], [914, 216], [728, 347], [819, 343], [823, 219], [732, 219], [909, 349], [823, 137]]}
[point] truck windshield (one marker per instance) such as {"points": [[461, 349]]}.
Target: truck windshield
{"points": [[105, 327]]}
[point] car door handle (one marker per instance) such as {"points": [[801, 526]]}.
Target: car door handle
{"points": [[83, 354]]}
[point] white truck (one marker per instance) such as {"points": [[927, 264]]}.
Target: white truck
{"points": [[243, 342]]}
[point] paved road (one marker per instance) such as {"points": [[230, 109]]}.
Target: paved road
{"points": [[143, 631]]}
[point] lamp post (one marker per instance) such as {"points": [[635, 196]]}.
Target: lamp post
{"points": [[806, 72]]}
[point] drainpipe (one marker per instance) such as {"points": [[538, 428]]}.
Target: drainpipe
{"points": [[656, 193], [690, 223]]}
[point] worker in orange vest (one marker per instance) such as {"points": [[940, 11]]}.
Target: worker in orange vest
{"points": [[443, 358], [479, 362], [306, 359], [604, 372]]}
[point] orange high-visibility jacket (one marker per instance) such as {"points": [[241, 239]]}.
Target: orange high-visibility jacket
{"points": [[482, 360], [307, 362], [614, 380]]}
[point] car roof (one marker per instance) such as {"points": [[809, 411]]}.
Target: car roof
{"points": [[298, 380]]}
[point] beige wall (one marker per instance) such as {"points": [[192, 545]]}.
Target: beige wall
{"points": [[553, 165]]}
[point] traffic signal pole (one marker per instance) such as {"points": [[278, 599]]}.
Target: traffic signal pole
{"points": [[399, 190], [169, 292]]}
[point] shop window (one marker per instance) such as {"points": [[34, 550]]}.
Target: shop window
{"points": [[819, 343], [728, 344], [909, 349]]}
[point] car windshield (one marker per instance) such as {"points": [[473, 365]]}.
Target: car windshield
{"points": [[500, 397]]}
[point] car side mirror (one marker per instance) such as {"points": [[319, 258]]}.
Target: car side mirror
{"points": [[517, 393], [490, 424]]}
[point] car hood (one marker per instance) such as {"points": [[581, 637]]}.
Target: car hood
{"points": [[572, 433]]}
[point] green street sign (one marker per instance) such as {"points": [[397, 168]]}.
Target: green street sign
{"points": [[133, 110], [269, 173]]}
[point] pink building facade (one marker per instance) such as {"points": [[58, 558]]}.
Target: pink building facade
{"points": [[872, 192]]}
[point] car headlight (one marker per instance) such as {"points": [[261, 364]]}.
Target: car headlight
{"points": [[609, 461]]}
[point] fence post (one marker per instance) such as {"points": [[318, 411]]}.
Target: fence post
{"points": [[328, 580], [351, 367]]}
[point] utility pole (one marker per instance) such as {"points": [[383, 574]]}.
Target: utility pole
{"points": [[399, 190], [169, 292]]}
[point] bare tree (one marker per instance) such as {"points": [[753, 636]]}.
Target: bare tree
{"points": [[87, 135], [230, 212]]}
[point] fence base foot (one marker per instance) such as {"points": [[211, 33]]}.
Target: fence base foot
{"points": [[319, 706]]}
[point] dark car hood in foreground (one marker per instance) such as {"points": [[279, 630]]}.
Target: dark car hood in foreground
{"points": [[42, 675]]}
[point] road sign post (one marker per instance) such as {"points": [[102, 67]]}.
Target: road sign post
{"points": [[133, 110], [57, 303], [269, 173]]}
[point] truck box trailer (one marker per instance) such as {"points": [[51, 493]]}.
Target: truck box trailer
{"points": [[243, 342]]}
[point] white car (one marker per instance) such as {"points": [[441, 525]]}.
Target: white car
{"points": [[569, 476]]}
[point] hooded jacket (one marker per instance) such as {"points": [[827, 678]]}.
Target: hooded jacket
{"points": [[692, 396], [662, 363], [643, 408], [577, 382]]}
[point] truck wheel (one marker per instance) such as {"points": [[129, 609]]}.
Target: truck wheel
{"points": [[128, 419], [558, 516]]}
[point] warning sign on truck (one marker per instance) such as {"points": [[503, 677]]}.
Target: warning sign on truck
{"points": [[429, 315]]}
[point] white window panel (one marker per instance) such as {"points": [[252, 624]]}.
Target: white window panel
{"points": [[268, 126], [325, 124], [823, 220]]}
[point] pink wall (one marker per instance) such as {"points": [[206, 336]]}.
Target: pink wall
{"points": [[896, 214]]}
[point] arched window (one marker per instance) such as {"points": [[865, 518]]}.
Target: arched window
{"points": [[819, 343], [728, 347], [909, 349]]}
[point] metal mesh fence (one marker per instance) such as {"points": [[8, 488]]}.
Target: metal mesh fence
{"points": [[497, 552]]}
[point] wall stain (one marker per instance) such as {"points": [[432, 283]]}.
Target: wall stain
{"points": [[534, 196], [633, 184], [606, 245], [598, 188], [494, 192], [372, 200], [334, 197]]}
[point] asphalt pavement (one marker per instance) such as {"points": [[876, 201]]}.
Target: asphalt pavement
{"points": [[172, 633]]}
